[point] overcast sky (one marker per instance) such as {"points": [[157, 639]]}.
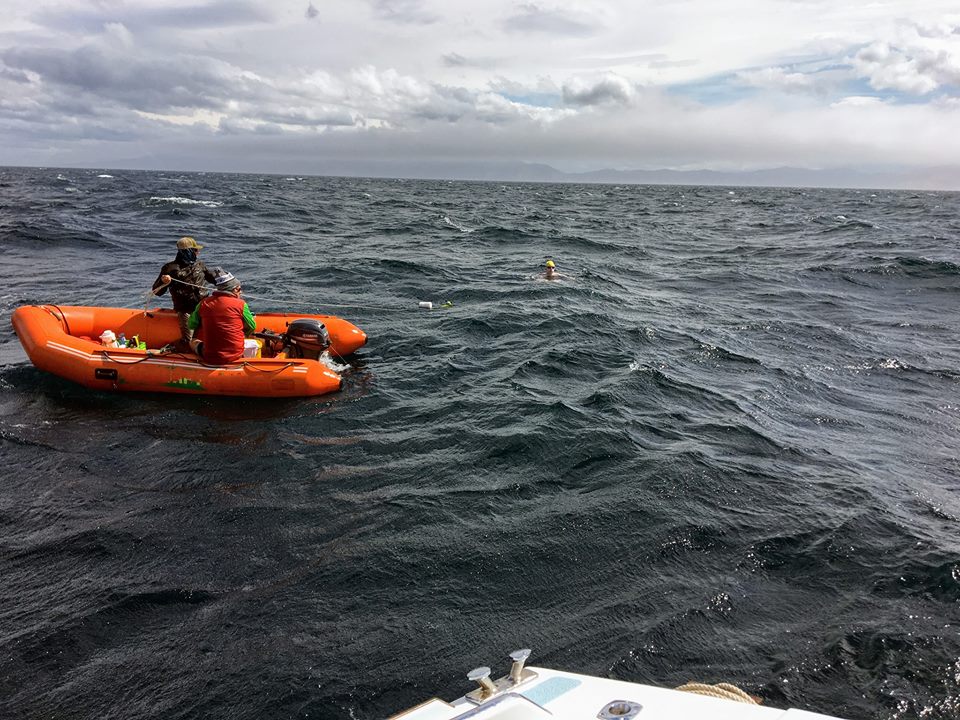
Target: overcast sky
{"points": [[282, 85]]}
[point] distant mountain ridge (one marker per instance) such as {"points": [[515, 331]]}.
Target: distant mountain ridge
{"points": [[940, 178], [932, 179], [906, 178]]}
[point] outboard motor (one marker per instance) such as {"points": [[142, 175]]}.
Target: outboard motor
{"points": [[307, 338]]}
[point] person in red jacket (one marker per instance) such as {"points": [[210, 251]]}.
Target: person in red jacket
{"points": [[223, 320]]}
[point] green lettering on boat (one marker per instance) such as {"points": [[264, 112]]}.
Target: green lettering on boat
{"points": [[185, 383]]}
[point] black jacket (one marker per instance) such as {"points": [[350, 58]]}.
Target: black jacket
{"points": [[185, 297]]}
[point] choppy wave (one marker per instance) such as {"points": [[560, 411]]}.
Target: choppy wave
{"points": [[176, 200], [720, 447], [52, 233], [456, 225]]}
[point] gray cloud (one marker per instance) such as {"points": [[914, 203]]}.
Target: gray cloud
{"points": [[17, 76], [66, 119], [614, 60], [610, 89], [220, 84], [659, 134], [534, 19], [446, 104], [228, 126], [404, 11], [159, 87], [914, 71], [457, 60], [220, 14], [918, 60], [660, 64], [936, 30], [103, 88], [652, 60], [306, 118]]}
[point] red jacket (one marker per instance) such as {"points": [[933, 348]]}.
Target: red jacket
{"points": [[223, 318]]}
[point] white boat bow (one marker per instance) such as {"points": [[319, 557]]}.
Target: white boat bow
{"points": [[534, 693]]}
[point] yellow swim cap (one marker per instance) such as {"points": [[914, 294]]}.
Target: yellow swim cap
{"points": [[550, 263]]}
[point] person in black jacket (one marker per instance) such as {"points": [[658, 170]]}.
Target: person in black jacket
{"points": [[185, 276]]}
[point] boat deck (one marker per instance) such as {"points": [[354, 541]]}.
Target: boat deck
{"points": [[544, 694]]}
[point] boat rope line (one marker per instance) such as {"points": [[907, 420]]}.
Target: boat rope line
{"points": [[725, 691], [260, 369], [62, 318], [146, 357], [383, 308], [197, 360], [194, 360]]}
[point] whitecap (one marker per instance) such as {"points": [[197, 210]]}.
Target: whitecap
{"points": [[333, 364], [458, 226], [176, 200], [104, 175], [858, 367]]}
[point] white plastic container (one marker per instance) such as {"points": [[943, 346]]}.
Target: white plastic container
{"points": [[426, 306], [250, 348]]}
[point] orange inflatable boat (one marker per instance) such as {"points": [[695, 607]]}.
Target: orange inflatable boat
{"points": [[64, 340]]}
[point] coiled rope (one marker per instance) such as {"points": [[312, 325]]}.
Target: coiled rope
{"points": [[724, 691]]}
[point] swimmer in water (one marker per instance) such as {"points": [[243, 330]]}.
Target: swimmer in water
{"points": [[551, 272]]}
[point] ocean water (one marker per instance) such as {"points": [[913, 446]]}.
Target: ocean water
{"points": [[722, 447]]}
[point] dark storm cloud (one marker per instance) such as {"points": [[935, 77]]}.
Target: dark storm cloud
{"points": [[223, 14], [69, 106], [158, 86], [404, 11], [31, 122], [67, 116], [534, 19]]}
